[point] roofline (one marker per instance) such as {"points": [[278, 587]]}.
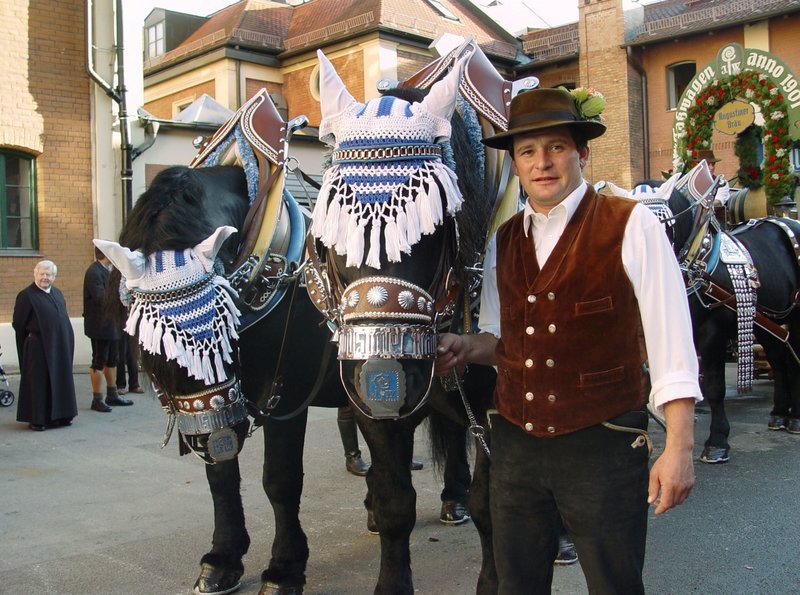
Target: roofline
{"points": [[754, 18]]}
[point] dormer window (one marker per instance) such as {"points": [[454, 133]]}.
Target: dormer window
{"points": [[155, 40], [443, 10]]}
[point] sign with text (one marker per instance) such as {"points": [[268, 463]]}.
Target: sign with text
{"points": [[734, 117]]}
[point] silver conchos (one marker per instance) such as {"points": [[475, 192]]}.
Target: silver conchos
{"points": [[391, 341], [352, 298], [406, 299], [377, 296], [217, 402]]}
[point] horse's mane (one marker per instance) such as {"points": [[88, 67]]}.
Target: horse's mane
{"points": [[678, 203], [173, 213], [473, 218]]}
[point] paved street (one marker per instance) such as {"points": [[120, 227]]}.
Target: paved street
{"points": [[100, 508]]}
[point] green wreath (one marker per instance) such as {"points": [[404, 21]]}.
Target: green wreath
{"points": [[777, 175]]}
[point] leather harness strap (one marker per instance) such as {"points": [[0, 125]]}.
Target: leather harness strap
{"points": [[728, 300]]}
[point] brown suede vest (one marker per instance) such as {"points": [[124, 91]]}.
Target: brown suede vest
{"points": [[570, 354]]}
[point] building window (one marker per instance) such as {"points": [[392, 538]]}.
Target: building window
{"points": [[443, 10], [155, 40], [17, 202], [678, 77]]}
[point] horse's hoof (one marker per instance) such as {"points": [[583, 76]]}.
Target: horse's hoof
{"points": [[372, 526], [270, 588], [714, 455], [214, 580]]}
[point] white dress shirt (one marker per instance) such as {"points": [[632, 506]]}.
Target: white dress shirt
{"points": [[650, 264]]}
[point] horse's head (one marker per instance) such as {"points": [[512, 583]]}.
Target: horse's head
{"points": [[182, 309], [386, 214]]}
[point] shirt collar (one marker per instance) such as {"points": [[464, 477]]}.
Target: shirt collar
{"points": [[566, 208]]}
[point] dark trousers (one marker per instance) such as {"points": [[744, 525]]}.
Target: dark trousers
{"points": [[128, 359], [595, 480]]}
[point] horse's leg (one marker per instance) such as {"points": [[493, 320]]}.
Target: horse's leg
{"points": [[392, 498], [457, 476], [221, 568], [711, 341], [779, 360], [283, 484]]}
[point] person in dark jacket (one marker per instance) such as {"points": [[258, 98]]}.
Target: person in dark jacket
{"points": [[99, 325], [45, 346]]}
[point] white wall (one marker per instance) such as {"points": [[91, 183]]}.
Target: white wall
{"points": [[10, 361]]}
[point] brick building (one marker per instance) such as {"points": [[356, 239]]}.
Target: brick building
{"points": [[637, 58], [641, 61], [55, 138]]}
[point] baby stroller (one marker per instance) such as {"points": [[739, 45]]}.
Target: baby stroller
{"points": [[6, 396]]}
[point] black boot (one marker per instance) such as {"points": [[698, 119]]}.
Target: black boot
{"points": [[355, 464], [352, 455]]}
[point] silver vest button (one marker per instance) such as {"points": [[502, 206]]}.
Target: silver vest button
{"points": [[551, 429], [551, 328], [551, 398], [529, 330], [529, 427], [550, 363], [531, 298], [529, 396], [551, 296], [528, 363]]}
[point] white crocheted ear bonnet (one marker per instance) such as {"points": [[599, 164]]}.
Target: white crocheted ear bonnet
{"points": [[182, 308], [386, 169]]}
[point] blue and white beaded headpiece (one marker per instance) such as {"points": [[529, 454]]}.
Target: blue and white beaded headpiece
{"points": [[182, 308], [386, 170]]}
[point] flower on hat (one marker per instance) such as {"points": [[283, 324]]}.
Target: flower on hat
{"points": [[589, 101]]}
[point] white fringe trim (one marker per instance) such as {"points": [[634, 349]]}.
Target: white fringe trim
{"points": [[415, 209], [204, 360]]}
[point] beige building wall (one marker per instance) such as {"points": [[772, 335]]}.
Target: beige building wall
{"points": [[615, 156], [45, 112]]}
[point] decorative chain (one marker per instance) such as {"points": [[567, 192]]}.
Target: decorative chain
{"points": [[745, 295]]}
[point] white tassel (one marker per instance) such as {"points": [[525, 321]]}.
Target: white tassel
{"points": [[374, 256], [344, 223], [426, 224], [320, 209], [158, 331], [402, 231], [169, 345], [208, 370], [392, 241], [455, 199], [197, 365], [331, 233], [133, 318], [435, 201], [355, 246], [412, 232], [221, 376]]}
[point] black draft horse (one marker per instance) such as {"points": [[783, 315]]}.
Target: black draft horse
{"points": [[182, 207], [386, 304], [771, 245]]}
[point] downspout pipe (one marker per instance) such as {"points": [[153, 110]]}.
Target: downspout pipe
{"points": [[637, 66], [117, 95]]}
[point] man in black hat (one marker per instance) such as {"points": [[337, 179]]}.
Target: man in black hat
{"points": [[571, 285]]}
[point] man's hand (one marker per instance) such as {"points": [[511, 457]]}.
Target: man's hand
{"points": [[456, 351], [672, 475]]}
